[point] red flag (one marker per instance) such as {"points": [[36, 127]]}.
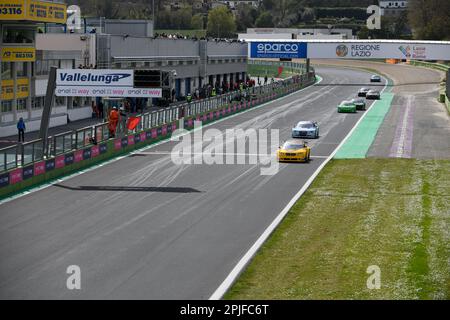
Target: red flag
{"points": [[133, 122]]}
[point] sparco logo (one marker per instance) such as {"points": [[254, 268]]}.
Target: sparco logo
{"points": [[277, 48], [103, 78]]}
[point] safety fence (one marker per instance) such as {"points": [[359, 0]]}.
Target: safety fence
{"points": [[23, 161], [277, 69]]}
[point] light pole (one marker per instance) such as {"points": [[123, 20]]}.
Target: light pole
{"points": [[153, 15]]}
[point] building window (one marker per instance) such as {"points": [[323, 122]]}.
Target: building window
{"points": [[21, 104], [7, 70], [42, 67], [7, 106], [60, 101], [76, 102], [37, 102], [21, 69], [16, 34]]}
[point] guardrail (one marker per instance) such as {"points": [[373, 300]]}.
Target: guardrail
{"points": [[73, 142], [437, 66]]}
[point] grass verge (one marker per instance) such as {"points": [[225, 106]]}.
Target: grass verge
{"points": [[392, 213]]}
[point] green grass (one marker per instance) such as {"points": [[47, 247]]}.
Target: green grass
{"points": [[393, 213], [271, 71]]}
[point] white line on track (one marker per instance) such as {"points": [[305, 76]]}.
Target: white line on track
{"points": [[49, 184], [240, 266]]}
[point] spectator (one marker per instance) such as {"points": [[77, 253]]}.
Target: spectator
{"points": [[100, 110], [21, 129], [113, 121]]}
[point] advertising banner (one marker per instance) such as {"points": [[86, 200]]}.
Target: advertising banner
{"points": [[69, 158], [87, 154], [78, 156], [7, 89], [100, 83], [46, 11], [277, 50], [28, 172], [15, 176], [12, 10], [49, 165], [103, 148], [379, 50], [11, 54], [94, 77], [143, 136], [60, 161], [117, 144], [39, 168], [95, 151], [33, 10], [112, 92], [130, 140], [4, 179]]}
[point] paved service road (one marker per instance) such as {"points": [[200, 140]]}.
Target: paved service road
{"points": [[417, 125], [144, 228]]}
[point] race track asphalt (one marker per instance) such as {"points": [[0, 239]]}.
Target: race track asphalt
{"points": [[145, 228], [417, 125]]}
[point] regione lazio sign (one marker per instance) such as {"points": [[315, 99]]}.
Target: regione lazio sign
{"points": [[349, 49], [100, 83], [379, 50], [277, 50]]}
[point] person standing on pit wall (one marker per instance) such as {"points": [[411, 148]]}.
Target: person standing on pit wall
{"points": [[113, 121], [189, 98], [213, 92], [21, 129]]}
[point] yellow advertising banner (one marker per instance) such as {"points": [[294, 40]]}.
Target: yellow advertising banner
{"points": [[22, 92], [18, 54], [33, 10], [7, 89], [12, 10], [46, 11], [22, 88]]}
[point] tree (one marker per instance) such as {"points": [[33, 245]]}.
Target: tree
{"points": [[197, 22], [221, 23], [264, 20], [429, 19], [246, 16]]}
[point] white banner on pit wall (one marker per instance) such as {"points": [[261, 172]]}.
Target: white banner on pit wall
{"points": [[94, 77], [113, 92], [374, 50]]}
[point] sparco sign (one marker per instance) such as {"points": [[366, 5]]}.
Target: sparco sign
{"points": [[97, 78], [277, 50]]}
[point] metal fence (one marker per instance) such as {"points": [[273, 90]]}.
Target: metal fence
{"points": [[27, 153]]}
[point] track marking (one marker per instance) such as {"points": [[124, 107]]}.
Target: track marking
{"points": [[243, 262]]}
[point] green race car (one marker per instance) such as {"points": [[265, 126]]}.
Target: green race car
{"points": [[346, 106]]}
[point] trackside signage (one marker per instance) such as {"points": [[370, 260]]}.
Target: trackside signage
{"points": [[100, 83], [95, 78], [379, 50], [276, 50], [110, 91]]}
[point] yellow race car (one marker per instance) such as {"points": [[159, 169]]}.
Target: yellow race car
{"points": [[294, 151]]}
